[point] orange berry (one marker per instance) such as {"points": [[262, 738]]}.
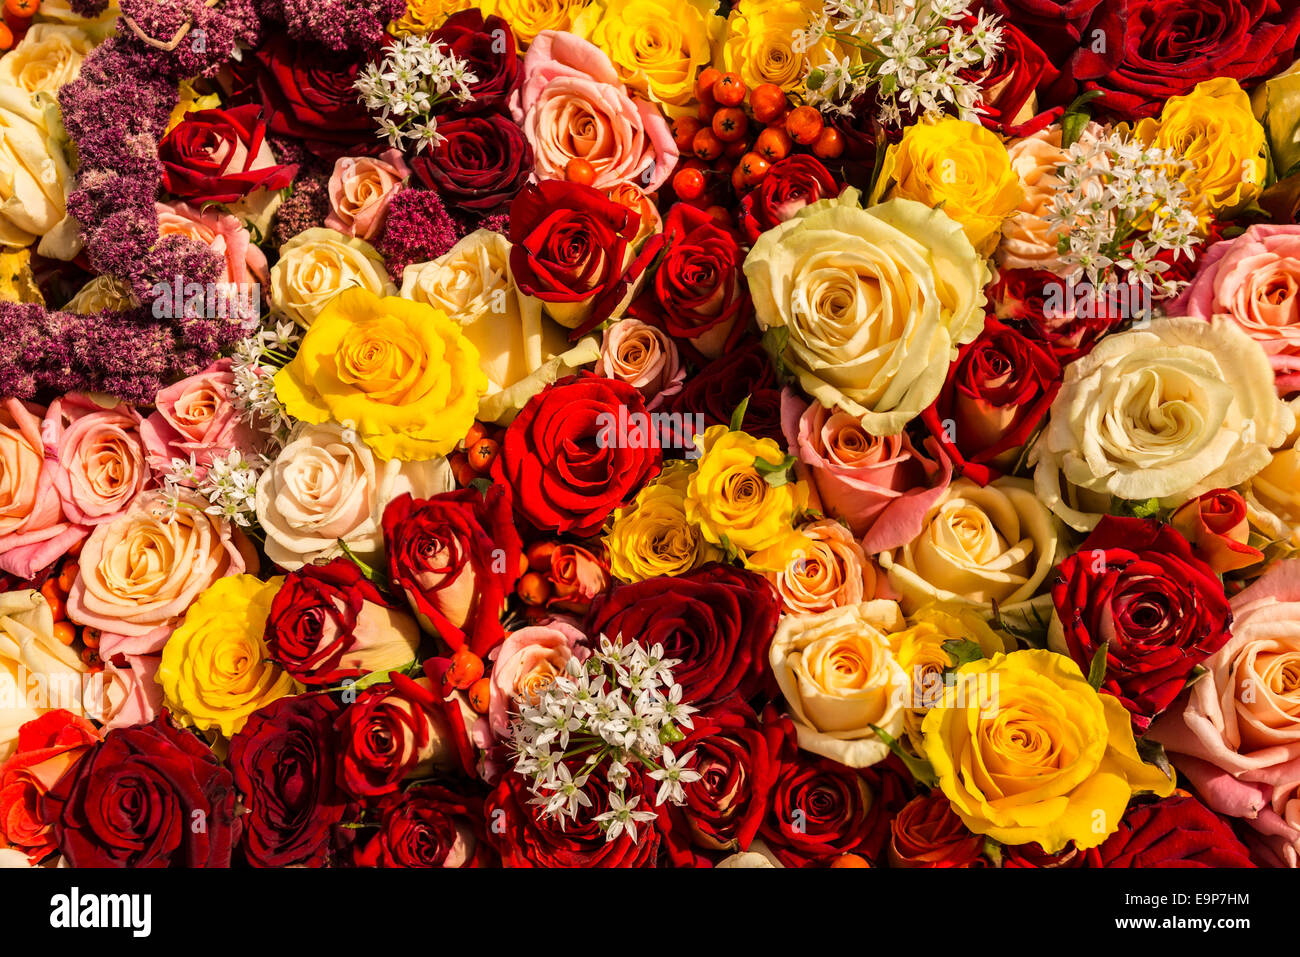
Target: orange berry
{"points": [[804, 124], [466, 668], [75, 550], [480, 695], [720, 215], [684, 130], [773, 144], [534, 589], [90, 637], [67, 575], [90, 657], [706, 144], [539, 555], [482, 454], [730, 124], [705, 81], [580, 171], [461, 470], [736, 150], [829, 143], [54, 598], [768, 102], [753, 168], [65, 632], [6, 37], [22, 9], [476, 432], [738, 179], [729, 89], [850, 860], [688, 183]]}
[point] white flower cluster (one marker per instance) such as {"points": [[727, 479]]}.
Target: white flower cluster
{"points": [[254, 363], [1119, 204], [415, 76], [618, 709], [915, 56], [229, 484]]}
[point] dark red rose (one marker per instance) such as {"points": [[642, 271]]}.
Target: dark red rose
{"points": [[717, 619], [148, 796], [1010, 81], [926, 833], [579, 449], [427, 826], [1056, 25], [324, 620], [456, 558], [1033, 855], [717, 390], [788, 187], [738, 759], [220, 156], [1045, 307], [488, 47], [395, 731], [283, 761], [1136, 584], [1177, 831], [572, 249], [997, 393], [480, 165], [698, 293], [822, 809], [525, 838]]}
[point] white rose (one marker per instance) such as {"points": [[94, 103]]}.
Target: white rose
{"points": [[327, 485], [318, 264], [35, 177], [48, 56]]}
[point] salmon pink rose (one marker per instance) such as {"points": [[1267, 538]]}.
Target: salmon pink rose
{"points": [[101, 456], [33, 528], [221, 232], [360, 189], [526, 662], [195, 418]]}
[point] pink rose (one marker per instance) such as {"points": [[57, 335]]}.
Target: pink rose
{"points": [[33, 528], [1236, 735], [195, 417], [644, 357], [572, 105], [128, 692], [223, 234], [101, 456], [527, 661], [1255, 279], [360, 188], [881, 485]]}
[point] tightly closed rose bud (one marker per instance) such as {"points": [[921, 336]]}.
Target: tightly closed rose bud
{"points": [[1216, 525]]}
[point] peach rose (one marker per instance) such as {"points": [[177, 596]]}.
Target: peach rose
{"points": [[360, 189], [643, 357], [526, 662], [126, 693], [101, 455], [33, 528], [1237, 735], [572, 105], [139, 573], [195, 417], [881, 485], [831, 573], [222, 233]]}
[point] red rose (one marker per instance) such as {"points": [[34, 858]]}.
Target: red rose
{"points": [[926, 833], [1178, 831], [717, 619], [698, 292], [1136, 584], [525, 838], [788, 187], [1032, 855], [427, 826], [822, 809], [480, 165], [47, 748], [219, 156], [579, 449], [283, 761], [1037, 301], [328, 623], [456, 558], [717, 389], [738, 759], [488, 47], [1009, 84], [148, 796], [996, 394], [1057, 25], [572, 249]]}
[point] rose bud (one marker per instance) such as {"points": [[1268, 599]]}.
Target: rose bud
{"points": [[1215, 523], [577, 576]]}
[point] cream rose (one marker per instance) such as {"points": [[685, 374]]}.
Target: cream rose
{"points": [[870, 304], [318, 264], [979, 546], [38, 673], [1166, 412], [100, 293], [1273, 498], [831, 572], [839, 677], [46, 58], [327, 485], [520, 350], [35, 177]]}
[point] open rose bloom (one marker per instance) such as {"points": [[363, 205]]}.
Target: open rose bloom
{"points": [[650, 433]]}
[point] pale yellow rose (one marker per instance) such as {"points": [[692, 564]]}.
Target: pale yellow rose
{"points": [[60, 11], [520, 350], [318, 264], [38, 673], [1273, 498], [35, 177], [100, 293], [46, 58]]}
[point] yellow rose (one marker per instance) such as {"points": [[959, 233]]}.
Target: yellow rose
{"points": [[1027, 751], [215, 668], [759, 42], [398, 372], [35, 177], [1168, 411], [190, 102], [1273, 498], [958, 167], [527, 18], [318, 264], [657, 46], [38, 673], [870, 304], [48, 56], [423, 16], [840, 677], [520, 350], [652, 536], [1276, 102], [978, 545], [1214, 129], [736, 506]]}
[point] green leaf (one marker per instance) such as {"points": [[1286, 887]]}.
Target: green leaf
{"points": [[775, 474], [738, 417], [1153, 752], [962, 651], [1145, 509], [1097, 670], [1196, 674], [919, 768], [482, 483], [379, 677], [371, 575], [1082, 100], [1072, 126]]}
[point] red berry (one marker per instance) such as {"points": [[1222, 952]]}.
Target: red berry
{"points": [[688, 184]]}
